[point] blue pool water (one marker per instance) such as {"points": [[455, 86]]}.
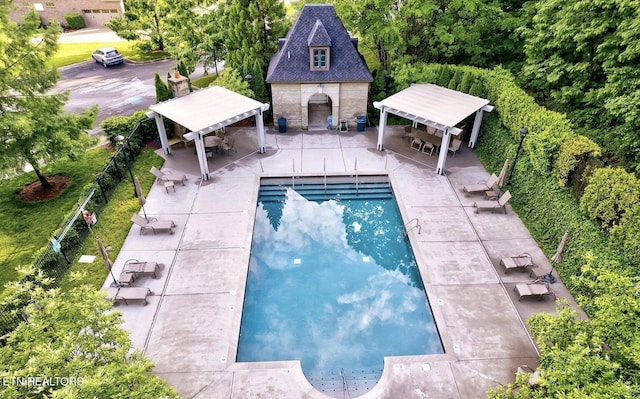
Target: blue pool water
{"points": [[334, 284]]}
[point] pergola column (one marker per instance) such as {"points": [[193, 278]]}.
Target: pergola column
{"points": [[477, 122], [161, 131], [260, 128], [381, 128], [202, 156], [444, 151]]}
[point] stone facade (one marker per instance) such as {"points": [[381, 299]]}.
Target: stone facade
{"points": [[291, 101]]}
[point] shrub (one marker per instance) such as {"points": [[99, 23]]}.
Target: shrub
{"points": [[625, 234], [74, 20], [609, 193], [577, 158]]}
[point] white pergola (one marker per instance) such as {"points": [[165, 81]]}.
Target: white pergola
{"points": [[205, 111], [435, 106]]}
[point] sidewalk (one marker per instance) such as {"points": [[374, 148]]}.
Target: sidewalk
{"points": [[90, 35], [190, 327]]}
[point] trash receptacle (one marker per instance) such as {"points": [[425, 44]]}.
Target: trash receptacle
{"points": [[282, 125], [362, 122]]}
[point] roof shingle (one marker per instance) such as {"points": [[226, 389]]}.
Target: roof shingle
{"points": [[317, 25]]}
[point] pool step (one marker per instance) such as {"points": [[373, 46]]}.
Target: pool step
{"points": [[358, 381], [320, 192]]}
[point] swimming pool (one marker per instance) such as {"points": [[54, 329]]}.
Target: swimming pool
{"points": [[333, 282]]}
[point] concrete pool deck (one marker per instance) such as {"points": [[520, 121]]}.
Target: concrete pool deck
{"points": [[190, 327]]}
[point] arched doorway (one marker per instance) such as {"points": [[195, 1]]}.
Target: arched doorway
{"points": [[319, 107]]}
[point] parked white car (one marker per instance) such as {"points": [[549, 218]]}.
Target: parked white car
{"points": [[107, 56]]}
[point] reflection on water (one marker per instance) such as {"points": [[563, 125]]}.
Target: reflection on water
{"points": [[334, 285]]}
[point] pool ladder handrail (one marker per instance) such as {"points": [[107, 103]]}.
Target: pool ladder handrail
{"points": [[355, 168], [406, 231], [345, 387]]}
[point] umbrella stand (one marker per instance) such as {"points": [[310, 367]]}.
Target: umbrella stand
{"points": [[550, 278]]}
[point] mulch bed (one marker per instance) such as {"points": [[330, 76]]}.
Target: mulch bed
{"points": [[33, 192]]}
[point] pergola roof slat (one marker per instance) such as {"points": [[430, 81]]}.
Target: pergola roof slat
{"points": [[208, 107]]}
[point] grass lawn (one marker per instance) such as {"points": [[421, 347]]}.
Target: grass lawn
{"points": [[72, 53], [27, 227], [22, 235], [113, 225]]}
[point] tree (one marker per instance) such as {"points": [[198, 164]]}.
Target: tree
{"points": [[581, 58], [231, 79], [143, 20], [74, 338], [251, 31], [440, 31], [163, 92], [34, 128]]}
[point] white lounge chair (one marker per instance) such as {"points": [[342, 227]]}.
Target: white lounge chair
{"points": [[163, 177], [153, 224], [537, 289], [126, 294], [500, 203], [482, 186], [520, 262]]}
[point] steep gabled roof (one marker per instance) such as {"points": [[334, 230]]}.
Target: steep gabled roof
{"points": [[317, 25]]}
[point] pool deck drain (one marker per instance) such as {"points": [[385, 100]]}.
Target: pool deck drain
{"points": [[190, 327]]}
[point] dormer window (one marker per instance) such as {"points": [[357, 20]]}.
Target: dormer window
{"points": [[319, 57]]}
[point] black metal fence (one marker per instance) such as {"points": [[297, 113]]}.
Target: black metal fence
{"points": [[56, 257]]}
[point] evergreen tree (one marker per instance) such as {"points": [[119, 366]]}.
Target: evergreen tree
{"points": [[34, 128]]}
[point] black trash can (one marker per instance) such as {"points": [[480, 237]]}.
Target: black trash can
{"points": [[282, 125], [362, 122]]}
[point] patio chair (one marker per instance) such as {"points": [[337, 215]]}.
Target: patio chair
{"points": [[521, 262], [137, 268], [416, 143], [153, 224], [427, 146], [228, 144], [126, 294], [455, 146], [163, 177], [537, 289], [482, 186], [500, 203]]}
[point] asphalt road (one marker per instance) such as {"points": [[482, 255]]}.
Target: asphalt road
{"points": [[117, 90]]}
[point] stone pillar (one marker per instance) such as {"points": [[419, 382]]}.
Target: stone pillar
{"points": [[179, 86]]}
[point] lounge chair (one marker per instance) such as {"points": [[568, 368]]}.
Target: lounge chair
{"points": [[520, 262], [163, 177], [137, 268], [153, 224], [500, 203], [537, 289], [126, 294], [482, 186]]}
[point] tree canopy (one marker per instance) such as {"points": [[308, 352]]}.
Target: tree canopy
{"points": [[34, 128], [581, 58], [143, 20], [74, 339]]}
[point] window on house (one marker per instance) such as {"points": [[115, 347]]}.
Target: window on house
{"points": [[49, 4], [319, 59]]}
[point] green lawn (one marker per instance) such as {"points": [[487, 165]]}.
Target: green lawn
{"points": [[113, 225], [27, 227], [72, 53]]}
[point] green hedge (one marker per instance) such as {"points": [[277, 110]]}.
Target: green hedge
{"points": [[74, 20], [555, 157]]}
